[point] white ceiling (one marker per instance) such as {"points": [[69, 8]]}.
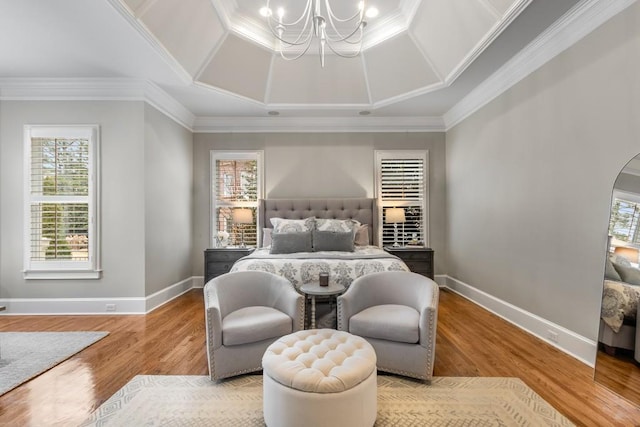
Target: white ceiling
{"points": [[216, 58]]}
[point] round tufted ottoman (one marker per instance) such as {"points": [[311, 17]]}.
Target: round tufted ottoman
{"points": [[320, 377]]}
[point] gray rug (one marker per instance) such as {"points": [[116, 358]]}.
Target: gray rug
{"points": [[23, 355], [149, 400]]}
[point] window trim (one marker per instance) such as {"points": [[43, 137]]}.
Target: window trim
{"points": [[44, 270], [379, 155], [214, 155]]}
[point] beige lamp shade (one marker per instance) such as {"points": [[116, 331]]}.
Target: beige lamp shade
{"points": [[629, 253], [242, 216], [394, 215]]}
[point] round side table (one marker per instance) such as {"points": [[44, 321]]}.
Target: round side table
{"points": [[314, 289]]}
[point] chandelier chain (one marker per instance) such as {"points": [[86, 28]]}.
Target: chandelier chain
{"points": [[294, 41]]}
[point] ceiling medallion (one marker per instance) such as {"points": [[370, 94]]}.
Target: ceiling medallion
{"points": [[343, 36]]}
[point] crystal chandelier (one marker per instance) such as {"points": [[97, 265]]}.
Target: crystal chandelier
{"points": [[296, 36]]}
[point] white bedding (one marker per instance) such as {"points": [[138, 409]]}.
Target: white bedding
{"points": [[304, 267], [619, 301]]}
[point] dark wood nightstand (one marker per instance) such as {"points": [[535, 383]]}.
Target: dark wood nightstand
{"points": [[218, 261], [418, 259]]}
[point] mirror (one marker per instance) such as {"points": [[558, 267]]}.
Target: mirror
{"points": [[618, 357]]}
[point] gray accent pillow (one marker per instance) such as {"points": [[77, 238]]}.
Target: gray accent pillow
{"points": [[629, 274], [288, 243], [610, 272], [333, 241]]}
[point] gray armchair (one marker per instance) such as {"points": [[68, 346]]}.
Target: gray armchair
{"points": [[397, 313], [245, 312]]}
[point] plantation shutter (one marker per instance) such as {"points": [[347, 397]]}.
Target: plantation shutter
{"points": [[59, 214], [235, 186], [402, 183], [61, 202], [623, 224]]}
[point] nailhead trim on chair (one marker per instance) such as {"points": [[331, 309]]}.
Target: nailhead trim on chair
{"points": [[212, 362], [428, 373]]}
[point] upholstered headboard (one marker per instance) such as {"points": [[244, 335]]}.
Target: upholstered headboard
{"points": [[361, 209]]}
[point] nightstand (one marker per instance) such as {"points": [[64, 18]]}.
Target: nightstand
{"points": [[418, 259], [218, 261]]}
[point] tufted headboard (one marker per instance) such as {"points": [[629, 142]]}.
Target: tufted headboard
{"points": [[361, 209]]}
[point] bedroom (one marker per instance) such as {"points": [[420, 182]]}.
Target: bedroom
{"points": [[503, 186]]}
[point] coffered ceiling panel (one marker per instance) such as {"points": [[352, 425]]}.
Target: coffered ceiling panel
{"points": [[397, 67], [501, 6], [303, 81], [240, 67], [188, 29], [449, 30]]}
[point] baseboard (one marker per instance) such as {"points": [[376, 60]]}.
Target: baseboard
{"points": [[165, 295], [441, 280], [568, 341], [93, 306], [198, 281]]}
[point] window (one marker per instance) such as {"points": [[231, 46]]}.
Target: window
{"points": [[402, 182], [236, 183], [625, 213], [61, 238]]}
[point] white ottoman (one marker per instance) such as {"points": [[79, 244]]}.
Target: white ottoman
{"points": [[320, 377]]}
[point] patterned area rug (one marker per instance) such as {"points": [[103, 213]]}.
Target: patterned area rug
{"points": [[23, 355], [447, 401]]}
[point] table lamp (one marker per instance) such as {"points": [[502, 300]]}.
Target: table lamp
{"points": [[395, 216], [627, 252], [242, 217]]}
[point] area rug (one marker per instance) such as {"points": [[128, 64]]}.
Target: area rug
{"points": [[448, 401], [23, 355]]}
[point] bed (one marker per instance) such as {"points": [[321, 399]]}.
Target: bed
{"points": [[619, 313], [302, 267]]}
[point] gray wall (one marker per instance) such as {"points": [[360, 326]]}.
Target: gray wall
{"points": [[122, 195], [319, 165], [168, 201], [530, 175]]}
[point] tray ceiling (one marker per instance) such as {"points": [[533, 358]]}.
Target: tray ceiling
{"points": [[412, 47], [215, 58]]}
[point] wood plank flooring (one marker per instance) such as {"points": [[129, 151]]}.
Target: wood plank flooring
{"points": [[171, 341]]}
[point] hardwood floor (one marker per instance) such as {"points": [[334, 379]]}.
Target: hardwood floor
{"points": [[171, 341]]}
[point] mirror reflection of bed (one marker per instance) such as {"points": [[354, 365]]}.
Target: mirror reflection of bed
{"points": [[618, 358]]}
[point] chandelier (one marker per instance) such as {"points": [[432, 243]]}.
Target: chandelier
{"points": [[296, 36]]}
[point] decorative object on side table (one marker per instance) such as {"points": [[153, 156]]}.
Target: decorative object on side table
{"points": [[419, 259], [324, 279], [222, 239], [218, 261]]}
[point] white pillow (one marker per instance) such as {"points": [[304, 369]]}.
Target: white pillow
{"points": [[266, 237], [282, 225], [362, 235], [336, 225]]}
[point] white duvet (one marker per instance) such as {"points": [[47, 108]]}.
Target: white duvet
{"points": [[304, 267]]}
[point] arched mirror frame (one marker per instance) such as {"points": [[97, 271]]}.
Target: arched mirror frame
{"points": [[618, 357]]}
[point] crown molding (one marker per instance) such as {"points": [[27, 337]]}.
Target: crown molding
{"points": [[92, 89], [317, 124], [137, 24], [582, 19], [168, 105], [497, 29]]}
